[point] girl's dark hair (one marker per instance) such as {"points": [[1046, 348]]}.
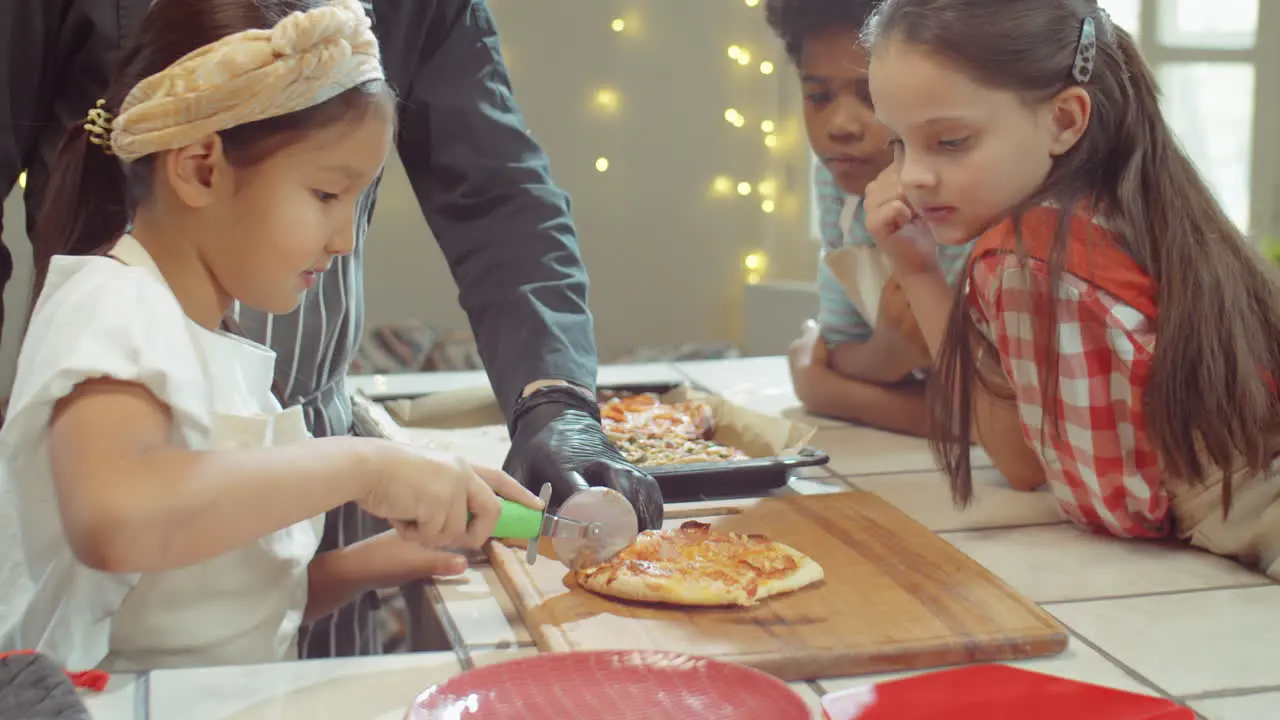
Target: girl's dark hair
{"points": [[92, 195], [1218, 326], [794, 20]]}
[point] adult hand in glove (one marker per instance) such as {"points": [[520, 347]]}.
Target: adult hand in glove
{"points": [[555, 432]]}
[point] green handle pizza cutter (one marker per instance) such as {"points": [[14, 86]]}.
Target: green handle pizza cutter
{"points": [[588, 528]]}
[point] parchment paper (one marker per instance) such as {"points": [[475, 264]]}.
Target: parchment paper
{"points": [[469, 423]]}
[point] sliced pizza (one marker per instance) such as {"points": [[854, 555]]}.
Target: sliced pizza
{"points": [[694, 565]]}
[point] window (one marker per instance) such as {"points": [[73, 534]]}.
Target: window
{"points": [[1210, 107], [1125, 13], [1206, 60]]}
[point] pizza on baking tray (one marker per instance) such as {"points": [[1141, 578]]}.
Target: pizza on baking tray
{"points": [[650, 432], [693, 565]]}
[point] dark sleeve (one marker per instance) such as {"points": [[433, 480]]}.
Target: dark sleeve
{"points": [[485, 189], [27, 40], [28, 61], [34, 686], [78, 68]]}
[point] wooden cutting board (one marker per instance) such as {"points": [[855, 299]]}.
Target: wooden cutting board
{"points": [[895, 597]]}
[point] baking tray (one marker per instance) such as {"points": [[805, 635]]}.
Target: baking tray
{"points": [[718, 480], [686, 482]]}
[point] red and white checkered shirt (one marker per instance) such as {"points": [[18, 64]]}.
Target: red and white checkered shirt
{"points": [[1099, 463]]}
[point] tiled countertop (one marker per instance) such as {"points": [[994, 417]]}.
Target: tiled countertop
{"points": [[1143, 617]]}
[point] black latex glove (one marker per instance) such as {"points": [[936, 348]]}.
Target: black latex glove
{"points": [[33, 686], [555, 432]]}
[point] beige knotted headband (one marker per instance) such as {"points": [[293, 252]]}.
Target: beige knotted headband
{"points": [[306, 59]]}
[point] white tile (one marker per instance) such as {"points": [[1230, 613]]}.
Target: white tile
{"points": [[816, 485], [117, 702], [368, 688], [762, 384], [808, 484], [1259, 706], [1079, 662], [1189, 643], [926, 496], [409, 385], [821, 472], [638, 374], [1054, 563], [858, 450], [481, 657], [720, 376], [482, 610], [705, 508]]}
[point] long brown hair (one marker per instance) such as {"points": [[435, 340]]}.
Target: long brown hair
{"points": [[92, 196], [1218, 325]]}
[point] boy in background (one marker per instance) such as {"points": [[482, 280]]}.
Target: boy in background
{"points": [[863, 358]]}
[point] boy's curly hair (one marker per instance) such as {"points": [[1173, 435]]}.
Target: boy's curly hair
{"points": [[795, 20]]}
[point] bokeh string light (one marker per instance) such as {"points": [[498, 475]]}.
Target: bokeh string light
{"points": [[765, 190], [608, 101]]}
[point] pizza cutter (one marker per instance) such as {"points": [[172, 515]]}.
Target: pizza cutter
{"points": [[591, 526]]}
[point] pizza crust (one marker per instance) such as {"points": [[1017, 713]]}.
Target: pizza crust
{"points": [[808, 573], [693, 566]]}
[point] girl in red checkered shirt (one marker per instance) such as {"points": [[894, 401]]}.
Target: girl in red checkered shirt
{"points": [[1123, 335]]}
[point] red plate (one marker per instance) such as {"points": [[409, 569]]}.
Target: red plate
{"points": [[621, 685]]}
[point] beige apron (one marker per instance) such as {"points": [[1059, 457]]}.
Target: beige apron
{"points": [[244, 606], [1249, 533], [863, 271]]}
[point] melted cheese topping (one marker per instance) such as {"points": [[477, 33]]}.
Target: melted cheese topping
{"points": [[651, 433], [716, 568]]}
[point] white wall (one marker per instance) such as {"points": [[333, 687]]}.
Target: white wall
{"points": [[665, 256]]}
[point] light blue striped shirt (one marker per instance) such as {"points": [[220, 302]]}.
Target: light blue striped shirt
{"points": [[839, 317]]}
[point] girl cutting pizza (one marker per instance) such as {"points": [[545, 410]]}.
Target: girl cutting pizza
{"points": [[160, 508]]}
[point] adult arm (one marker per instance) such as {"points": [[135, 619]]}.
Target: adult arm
{"points": [[27, 43], [504, 227]]}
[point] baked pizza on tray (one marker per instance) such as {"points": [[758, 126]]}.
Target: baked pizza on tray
{"points": [[650, 432], [694, 565]]}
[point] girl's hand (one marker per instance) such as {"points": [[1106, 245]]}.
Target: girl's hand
{"points": [[897, 230], [428, 496]]}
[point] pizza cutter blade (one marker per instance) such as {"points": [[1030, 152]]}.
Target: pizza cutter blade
{"points": [[590, 527]]}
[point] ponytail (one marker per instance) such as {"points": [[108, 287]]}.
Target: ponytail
{"points": [[1210, 396], [85, 206]]}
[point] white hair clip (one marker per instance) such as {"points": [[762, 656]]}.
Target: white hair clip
{"points": [[1086, 51]]}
